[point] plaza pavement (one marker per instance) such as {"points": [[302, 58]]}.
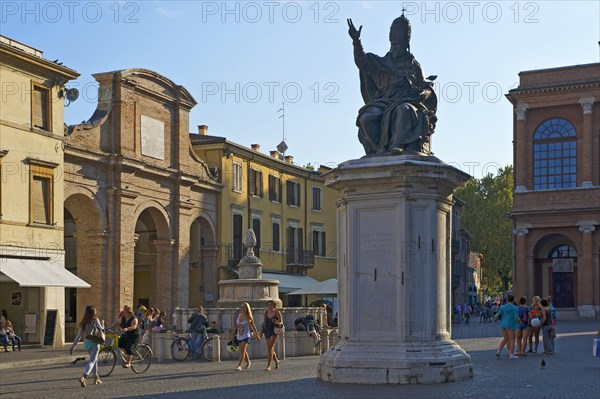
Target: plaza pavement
{"points": [[571, 373]]}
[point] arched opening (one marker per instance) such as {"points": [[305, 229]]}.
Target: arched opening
{"points": [[152, 274], [85, 256], [202, 266], [556, 270], [144, 259], [70, 233]]}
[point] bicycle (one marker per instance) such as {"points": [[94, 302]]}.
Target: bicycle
{"points": [[107, 357], [182, 347]]}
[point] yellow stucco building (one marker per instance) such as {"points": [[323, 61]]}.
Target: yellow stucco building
{"points": [[288, 206], [32, 266]]}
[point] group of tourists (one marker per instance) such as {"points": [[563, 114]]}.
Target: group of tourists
{"points": [[132, 325], [521, 325]]}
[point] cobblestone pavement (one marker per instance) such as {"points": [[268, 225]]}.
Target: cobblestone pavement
{"points": [[571, 373]]}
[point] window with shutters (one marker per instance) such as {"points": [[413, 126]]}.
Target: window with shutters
{"points": [[255, 185], [237, 237], [237, 177], [276, 227], [41, 194], [293, 193], [274, 188], [316, 194], [40, 107], [319, 244], [257, 233], [295, 245]]}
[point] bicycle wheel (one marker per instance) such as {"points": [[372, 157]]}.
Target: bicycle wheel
{"points": [[207, 350], [142, 359], [107, 359], [180, 349]]}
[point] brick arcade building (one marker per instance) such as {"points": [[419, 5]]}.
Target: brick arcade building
{"points": [[556, 208], [140, 208]]}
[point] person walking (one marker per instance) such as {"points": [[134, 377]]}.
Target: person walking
{"points": [[523, 331], [272, 320], [90, 318], [509, 322], [547, 328], [244, 324]]}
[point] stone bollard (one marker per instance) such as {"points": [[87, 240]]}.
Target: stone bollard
{"points": [[161, 345], [216, 344]]}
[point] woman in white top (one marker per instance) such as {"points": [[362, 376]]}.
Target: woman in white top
{"points": [[244, 324], [89, 318]]}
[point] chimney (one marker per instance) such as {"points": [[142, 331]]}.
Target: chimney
{"points": [[289, 159], [202, 130], [255, 147], [274, 154]]}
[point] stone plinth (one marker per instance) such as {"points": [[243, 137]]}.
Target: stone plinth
{"points": [[394, 273]]}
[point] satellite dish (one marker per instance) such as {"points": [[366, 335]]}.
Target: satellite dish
{"points": [[72, 94]]}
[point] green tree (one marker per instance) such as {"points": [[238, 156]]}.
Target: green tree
{"points": [[486, 216]]}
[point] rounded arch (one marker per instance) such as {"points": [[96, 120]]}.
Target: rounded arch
{"points": [[556, 274], [88, 212], [554, 128], [207, 222], [160, 218], [545, 244]]}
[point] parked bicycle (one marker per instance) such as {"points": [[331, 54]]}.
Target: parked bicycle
{"points": [[107, 357], [184, 347]]}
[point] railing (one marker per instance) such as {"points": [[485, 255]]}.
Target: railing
{"points": [[299, 260], [235, 252]]}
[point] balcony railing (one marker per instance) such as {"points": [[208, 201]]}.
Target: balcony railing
{"points": [[299, 260], [235, 252]]}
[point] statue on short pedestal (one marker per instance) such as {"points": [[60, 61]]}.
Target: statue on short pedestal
{"points": [[400, 105]]}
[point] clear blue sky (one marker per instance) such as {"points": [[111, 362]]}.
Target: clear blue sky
{"points": [[241, 60]]}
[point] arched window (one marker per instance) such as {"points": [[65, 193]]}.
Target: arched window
{"points": [[562, 251], [554, 155]]}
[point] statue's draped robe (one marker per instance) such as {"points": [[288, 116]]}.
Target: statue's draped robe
{"points": [[394, 90]]}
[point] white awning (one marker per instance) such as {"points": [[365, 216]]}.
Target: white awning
{"points": [[290, 282], [39, 273], [327, 287]]}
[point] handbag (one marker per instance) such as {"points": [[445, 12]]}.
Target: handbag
{"points": [[94, 333], [279, 330]]}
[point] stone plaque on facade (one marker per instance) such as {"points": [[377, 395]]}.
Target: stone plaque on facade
{"points": [[562, 265], [153, 137]]}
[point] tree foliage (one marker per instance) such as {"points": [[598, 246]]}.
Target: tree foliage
{"points": [[486, 216]]}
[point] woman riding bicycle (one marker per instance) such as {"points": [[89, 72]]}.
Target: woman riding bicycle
{"points": [[130, 333]]}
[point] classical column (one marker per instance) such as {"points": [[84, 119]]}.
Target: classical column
{"points": [[585, 274], [520, 140], [586, 152], [521, 283]]}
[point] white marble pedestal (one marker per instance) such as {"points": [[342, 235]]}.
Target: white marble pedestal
{"points": [[394, 273]]}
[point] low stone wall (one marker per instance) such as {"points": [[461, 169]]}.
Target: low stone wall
{"points": [[224, 318], [293, 343]]}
